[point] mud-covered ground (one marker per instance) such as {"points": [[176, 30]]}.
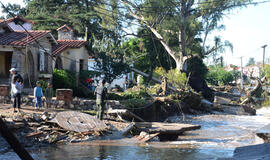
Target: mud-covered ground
{"points": [[33, 130]]}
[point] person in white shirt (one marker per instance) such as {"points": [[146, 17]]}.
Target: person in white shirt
{"points": [[16, 90]]}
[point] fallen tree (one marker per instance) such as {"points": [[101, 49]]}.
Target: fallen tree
{"points": [[252, 92]]}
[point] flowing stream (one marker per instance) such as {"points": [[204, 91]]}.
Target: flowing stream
{"points": [[218, 137]]}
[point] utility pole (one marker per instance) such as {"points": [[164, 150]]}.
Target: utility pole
{"points": [[263, 53], [241, 82]]}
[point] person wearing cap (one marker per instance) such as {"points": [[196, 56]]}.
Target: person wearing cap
{"points": [[38, 94], [100, 92], [16, 88], [16, 77]]}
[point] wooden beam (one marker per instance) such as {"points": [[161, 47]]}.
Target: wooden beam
{"points": [[13, 142]]}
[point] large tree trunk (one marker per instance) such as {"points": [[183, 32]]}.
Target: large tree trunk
{"points": [[195, 81]]}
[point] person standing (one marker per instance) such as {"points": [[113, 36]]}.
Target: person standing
{"points": [[49, 95], [101, 93], [16, 88], [38, 94]]}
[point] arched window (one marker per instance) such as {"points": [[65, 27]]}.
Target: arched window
{"points": [[58, 63]]}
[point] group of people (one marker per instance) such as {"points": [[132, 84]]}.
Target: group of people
{"points": [[17, 85], [16, 91]]}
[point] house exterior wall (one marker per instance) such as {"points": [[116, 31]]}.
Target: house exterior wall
{"points": [[27, 26], [28, 65], [71, 59]]}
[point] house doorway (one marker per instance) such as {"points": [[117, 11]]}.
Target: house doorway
{"points": [[5, 64], [58, 63]]}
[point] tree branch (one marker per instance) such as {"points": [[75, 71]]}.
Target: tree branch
{"points": [[153, 30]]}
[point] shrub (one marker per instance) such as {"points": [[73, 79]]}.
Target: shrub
{"points": [[212, 77], [219, 76], [141, 94], [134, 103], [63, 79], [43, 85], [175, 77], [266, 72]]}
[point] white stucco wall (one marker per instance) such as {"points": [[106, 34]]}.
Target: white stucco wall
{"points": [[71, 58]]}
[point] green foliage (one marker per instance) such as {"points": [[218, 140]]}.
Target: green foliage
{"points": [[219, 76], [67, 79], [43, 85], [159, 72], [131, 94], [212, 77], [266, 72], [15, 9], [146, 52], [175, 77], [134, 103], [63, 79], [109, 60], [236, 74]]}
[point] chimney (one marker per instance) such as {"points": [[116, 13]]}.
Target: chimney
{"points": [[65, 33]]}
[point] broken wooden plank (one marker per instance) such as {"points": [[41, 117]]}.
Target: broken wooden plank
{"points": [[165, 128], [34, 134], [79, 122], [145, 137], [149, 137], [127, 129], [135, 116]]}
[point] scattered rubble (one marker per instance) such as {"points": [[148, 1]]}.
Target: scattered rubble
{"points": [[264, 133]]}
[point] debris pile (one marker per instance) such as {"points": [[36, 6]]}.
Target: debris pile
{"points": [[49, 128]]}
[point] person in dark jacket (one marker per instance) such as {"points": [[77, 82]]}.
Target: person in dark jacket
{"points": [[101, 93]]}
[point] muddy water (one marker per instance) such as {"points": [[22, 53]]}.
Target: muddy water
{"points": [[218, 137]]}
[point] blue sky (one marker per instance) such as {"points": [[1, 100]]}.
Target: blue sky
{"points": [[247, 29]]}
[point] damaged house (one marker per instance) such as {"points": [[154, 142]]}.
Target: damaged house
{"points": [[29, 51], [35, 53]]}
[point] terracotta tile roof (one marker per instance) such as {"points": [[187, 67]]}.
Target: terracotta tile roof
{"points": [[17, 17], [20, 38], [65, 26], [64, 44]]}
